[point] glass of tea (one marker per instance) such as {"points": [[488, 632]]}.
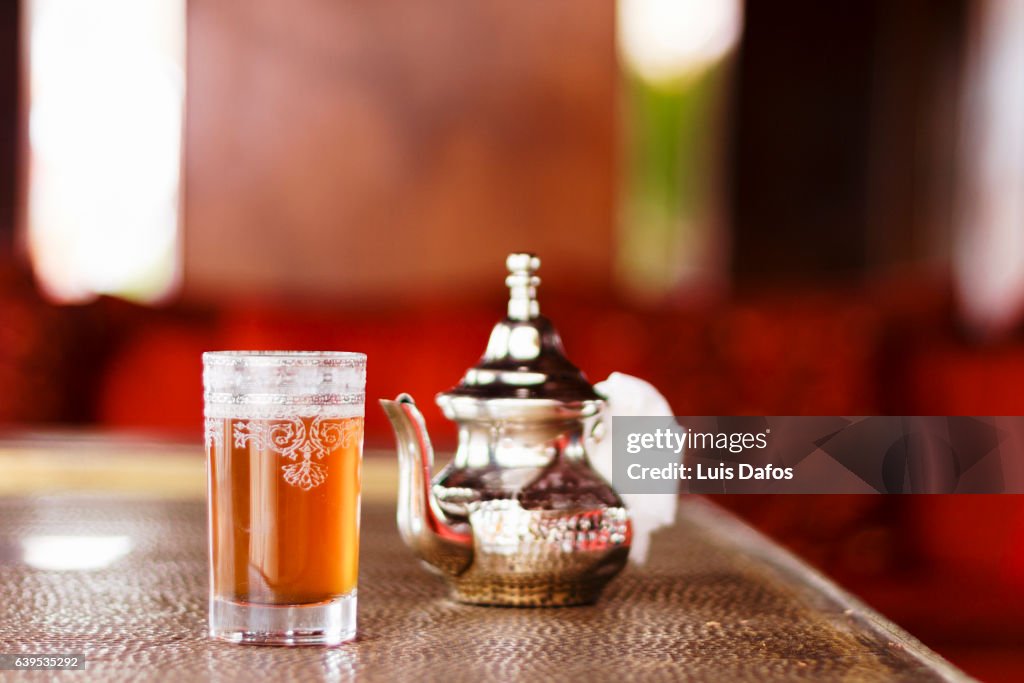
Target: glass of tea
{"points": [[284, 442]]}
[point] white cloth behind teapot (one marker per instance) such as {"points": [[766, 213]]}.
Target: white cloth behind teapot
{"points": [[628, 395]]}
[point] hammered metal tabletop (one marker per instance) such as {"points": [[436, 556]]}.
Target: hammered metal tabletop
{"points": [[716, 601]]}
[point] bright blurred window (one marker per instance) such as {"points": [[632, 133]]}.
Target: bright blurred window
{"points": [[106, 96], [989, 255]]}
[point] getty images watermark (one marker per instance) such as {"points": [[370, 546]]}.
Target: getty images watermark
{"points": [[656, 454], [818, 454]]}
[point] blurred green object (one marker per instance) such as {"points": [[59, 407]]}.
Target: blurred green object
{"points": [[670, 221]]}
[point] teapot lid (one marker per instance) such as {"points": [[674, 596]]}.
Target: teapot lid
{"points": [[524, 357]]}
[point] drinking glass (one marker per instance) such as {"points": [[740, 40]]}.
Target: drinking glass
{"points": [[284, 442]]}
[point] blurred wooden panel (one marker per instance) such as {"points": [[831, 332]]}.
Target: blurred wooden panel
{"points": [[361, 150]]}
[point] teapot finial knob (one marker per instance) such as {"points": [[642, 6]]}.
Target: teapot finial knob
{"points": [[522, 284]]}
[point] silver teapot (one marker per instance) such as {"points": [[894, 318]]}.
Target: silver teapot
{"points": [[519, 517]]}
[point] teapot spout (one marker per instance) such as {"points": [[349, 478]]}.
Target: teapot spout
{"points": [[423, 525]]}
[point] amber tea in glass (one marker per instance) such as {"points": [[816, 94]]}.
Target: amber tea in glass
{"points": [[284, 433]]}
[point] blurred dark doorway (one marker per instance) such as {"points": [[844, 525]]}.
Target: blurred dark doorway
{"points": [[845, 136]]}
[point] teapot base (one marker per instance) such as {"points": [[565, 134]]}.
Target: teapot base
{"points": [[510, 591]]}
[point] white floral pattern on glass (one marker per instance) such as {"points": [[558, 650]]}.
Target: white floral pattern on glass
{"points": [[291, 439], [214, 433]]}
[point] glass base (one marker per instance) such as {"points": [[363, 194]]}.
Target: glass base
{"points": [[322, 623]]}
